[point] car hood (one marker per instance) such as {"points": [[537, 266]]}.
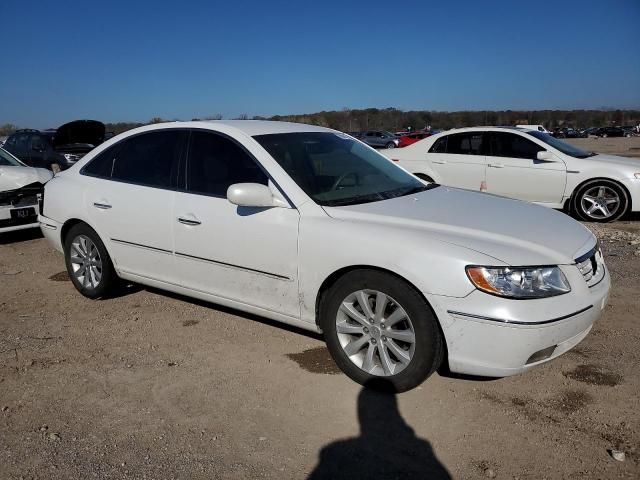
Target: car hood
{"points": [[614, 159], [12, 178], [511, 231], [87, 132]]}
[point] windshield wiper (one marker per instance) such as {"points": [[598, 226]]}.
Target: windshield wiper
{"points": [[401, 192], [371, 197]]}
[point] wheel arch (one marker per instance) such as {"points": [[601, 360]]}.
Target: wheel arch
{"points": [[336, 275], [606, 179]]}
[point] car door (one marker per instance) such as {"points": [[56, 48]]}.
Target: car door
{"points": [[459, 160], [19, 146], [129, 194], [247, 255], [514, 171], [37, 150]]}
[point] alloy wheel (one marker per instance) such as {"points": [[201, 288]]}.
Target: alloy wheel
{"points": [[600, 202], [375, 332], [86, 262]]}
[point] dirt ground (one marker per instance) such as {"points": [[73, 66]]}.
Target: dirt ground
{"points": [[151, 385]]}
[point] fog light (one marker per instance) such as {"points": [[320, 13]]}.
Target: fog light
{"points": [[541, 355]]}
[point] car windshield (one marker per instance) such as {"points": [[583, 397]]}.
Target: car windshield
{"points": [[389, 134], [8, 160], [560, 145], [334, 170]]}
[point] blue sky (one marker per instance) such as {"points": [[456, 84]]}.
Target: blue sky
{"points": [[134, 60]]}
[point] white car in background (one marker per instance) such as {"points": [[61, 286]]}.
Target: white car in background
{"points": [[19, 188], [310, 227], [527, 165]]}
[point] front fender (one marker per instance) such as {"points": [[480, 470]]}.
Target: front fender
{"points": [[431, 266]]}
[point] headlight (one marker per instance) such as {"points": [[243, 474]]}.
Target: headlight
{"points": [[70, 157], [519, 282], [637, 175]]}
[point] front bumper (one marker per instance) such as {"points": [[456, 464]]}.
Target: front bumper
{"points": [[10, 223], [497, 337]]}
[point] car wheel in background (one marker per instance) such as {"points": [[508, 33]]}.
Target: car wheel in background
{"points": [[88, 263], [600, 201], [380, 330], [391, 145]]}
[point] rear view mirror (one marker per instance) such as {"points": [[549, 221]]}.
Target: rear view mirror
{"points": [[252, 195], [545, 156]]}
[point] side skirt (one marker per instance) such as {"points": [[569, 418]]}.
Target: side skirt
{"points": [[207, 297]]}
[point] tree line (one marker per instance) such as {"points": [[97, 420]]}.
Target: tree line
{"points": [[350, 120]]}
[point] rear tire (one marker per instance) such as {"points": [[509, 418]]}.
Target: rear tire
{"points": [[88, 263], [396, 356], [391, 145]]}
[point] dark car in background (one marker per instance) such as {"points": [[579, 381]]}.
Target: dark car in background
{"points": [[568, 132], [56, 149], [612, 132]]}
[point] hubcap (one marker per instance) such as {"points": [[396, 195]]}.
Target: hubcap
{"points": [[86, 262], [375, 332], [600, 202]]}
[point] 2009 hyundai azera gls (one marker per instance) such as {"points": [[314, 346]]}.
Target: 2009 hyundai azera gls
{"points": [[311, 227]]}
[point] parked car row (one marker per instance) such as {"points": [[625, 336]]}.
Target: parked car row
{"points": [[527, 165], [56, 149], [388, 140], [295, 222]]}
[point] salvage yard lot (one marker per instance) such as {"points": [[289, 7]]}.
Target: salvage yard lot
{"points": [[153, 385]]}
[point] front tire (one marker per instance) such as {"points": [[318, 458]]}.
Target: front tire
{"points": [[380, 330], [600, 201], [88, 263]]}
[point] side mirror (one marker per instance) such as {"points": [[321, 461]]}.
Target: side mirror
{"points": [[252, 195], [545, 156]]}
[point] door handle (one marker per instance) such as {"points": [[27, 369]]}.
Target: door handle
{"points": [[439, 161], [102, 206], [193, 221], [496, 165]]}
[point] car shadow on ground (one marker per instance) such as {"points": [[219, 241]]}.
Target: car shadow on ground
{"points": [[386, 448], [20, 236]]}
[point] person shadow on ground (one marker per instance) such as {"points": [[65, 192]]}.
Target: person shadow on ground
{"points": [[387, 447]]}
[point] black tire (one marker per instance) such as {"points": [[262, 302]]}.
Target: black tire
{"points": [[109, 279], [391, 145], [578, 211], [429, 349], [424, 177]]}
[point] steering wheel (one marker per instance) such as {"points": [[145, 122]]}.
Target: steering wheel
{"points": [[341, 178]]}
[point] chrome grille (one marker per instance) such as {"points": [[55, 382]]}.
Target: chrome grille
{"points": [[591, 266]]}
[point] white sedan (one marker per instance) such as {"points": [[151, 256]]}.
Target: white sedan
{"points": [[19, 188], [307, 226], [527, 165]]}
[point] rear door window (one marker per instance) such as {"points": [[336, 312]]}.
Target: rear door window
{"points": [[150, 159], [440, 145], [465, 143], [216, 162]]}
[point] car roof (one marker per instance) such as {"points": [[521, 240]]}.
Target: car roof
{"points": [[261, 127]]}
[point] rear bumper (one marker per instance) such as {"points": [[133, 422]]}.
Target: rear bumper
{"points": [[516, 335], [51, 231]]}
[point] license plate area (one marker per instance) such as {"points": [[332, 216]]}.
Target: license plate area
{"points": [[23, 213]]}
